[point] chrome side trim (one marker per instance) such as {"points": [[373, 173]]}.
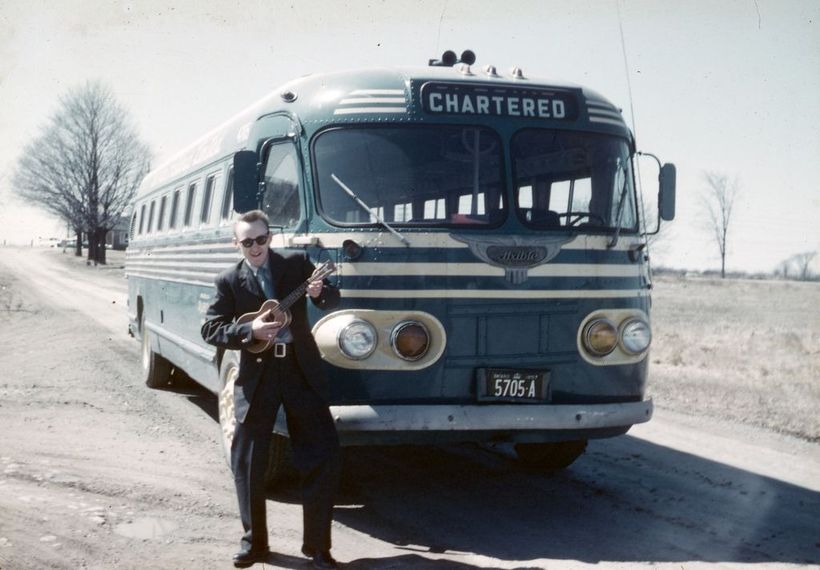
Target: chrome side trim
{"points": [[206, 354]]}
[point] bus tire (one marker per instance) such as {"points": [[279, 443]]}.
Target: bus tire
{"points": [[228, 371], [156, 371], [550, 456], [280, 463]]}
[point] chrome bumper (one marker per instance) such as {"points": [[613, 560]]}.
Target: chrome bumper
{"points": [[515, 417]]}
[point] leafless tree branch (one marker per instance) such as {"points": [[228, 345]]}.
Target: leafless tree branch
{"points": [[798, 266], [85, 165], [718, 202]]}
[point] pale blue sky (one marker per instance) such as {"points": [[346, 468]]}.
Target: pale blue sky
{"points": [[731, 86]]}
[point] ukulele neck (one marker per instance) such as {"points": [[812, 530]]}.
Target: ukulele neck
{"points": [[293, 296]]}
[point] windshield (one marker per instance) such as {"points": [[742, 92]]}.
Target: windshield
{"points": [[569, 179], [411, 176]]}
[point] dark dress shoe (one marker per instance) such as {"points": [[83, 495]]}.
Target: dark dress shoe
{"points": [[247, 558], [320, 559]]}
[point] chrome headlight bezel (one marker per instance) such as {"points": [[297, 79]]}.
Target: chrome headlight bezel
{"points": [[344, 339], [635, 336], [600, 326], [394, 334]]}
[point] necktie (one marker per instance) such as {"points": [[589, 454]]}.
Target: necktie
{"points": [[263, 276]]}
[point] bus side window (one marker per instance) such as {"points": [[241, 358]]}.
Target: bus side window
{"points": [[281, 201], [434, 209], [133, 225], [150, 216], [142, 220], [403, 212], [163, 202], [227, 198], [207, 198], [189, 205], [172, 220]]}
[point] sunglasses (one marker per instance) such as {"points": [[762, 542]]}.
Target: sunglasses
{"points": [[260, 240]]}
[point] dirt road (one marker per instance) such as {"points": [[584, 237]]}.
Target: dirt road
{"points": [[98, 471]]}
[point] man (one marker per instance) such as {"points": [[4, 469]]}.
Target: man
{"points": [[289, 374]]}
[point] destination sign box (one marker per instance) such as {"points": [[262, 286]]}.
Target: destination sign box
{"points": [[498, 101]]}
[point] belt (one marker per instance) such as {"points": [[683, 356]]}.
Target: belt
{"points": [[282, 349]]}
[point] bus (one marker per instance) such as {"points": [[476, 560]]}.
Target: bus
{"points": [[489, 243]]}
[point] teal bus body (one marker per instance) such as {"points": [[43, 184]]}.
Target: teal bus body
{"points": [[466, 168]]}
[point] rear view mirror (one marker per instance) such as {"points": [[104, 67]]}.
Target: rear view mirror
{"points": [[666, 192], [245, 181]]}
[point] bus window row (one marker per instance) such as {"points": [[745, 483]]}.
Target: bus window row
{"points": [[200, 203]]}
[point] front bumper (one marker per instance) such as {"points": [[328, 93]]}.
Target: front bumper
{"points": [[374, 423]]}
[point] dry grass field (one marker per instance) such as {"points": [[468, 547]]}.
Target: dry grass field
{"points": [[742, 350]]}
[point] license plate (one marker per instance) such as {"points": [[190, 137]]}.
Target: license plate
{"points": [[512, 385]]}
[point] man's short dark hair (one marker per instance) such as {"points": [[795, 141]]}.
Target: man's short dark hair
{"points": [[254, 216]]}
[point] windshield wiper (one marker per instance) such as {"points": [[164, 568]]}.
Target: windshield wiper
{"points": [[367, 209]]}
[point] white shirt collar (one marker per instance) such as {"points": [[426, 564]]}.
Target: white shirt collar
{"points": [[254, 269]]}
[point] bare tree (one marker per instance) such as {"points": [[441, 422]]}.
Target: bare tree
{"points": [[803, 263], [718, 201], [85, 165], [797, 266]]}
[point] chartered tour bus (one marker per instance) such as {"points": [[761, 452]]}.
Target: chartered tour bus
{"points": [[488, 241]]}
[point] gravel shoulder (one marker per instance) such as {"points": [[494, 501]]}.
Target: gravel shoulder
{"points": [[93, 468]]}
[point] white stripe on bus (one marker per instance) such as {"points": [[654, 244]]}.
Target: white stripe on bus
{"points": [[374, 109], [384, 239], [366, 100], [604, 113], [481, 269], [421, 269], [619, 123], [378, 92], [386, 269], [453, 293]]}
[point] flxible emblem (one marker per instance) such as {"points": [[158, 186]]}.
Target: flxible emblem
{"points": [[516, 254]]}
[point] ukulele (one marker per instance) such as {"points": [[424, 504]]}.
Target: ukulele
{"points": [[278, 311]]}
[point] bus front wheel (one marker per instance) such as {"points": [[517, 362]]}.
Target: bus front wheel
{"points": [[280, 462], [156, 371], [550, 456]]}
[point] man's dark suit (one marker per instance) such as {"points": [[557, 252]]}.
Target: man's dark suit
{"points": [[263, 384]]}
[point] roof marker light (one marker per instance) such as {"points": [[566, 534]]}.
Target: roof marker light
{"points": [[449, 59], [467, 56]]}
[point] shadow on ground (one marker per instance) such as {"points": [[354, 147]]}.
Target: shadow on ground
{"points": [[625, 500]]}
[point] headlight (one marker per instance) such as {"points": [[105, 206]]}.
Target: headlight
{"points": [[410, 340], [600, 337], [357, 340], [635, 336]]}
